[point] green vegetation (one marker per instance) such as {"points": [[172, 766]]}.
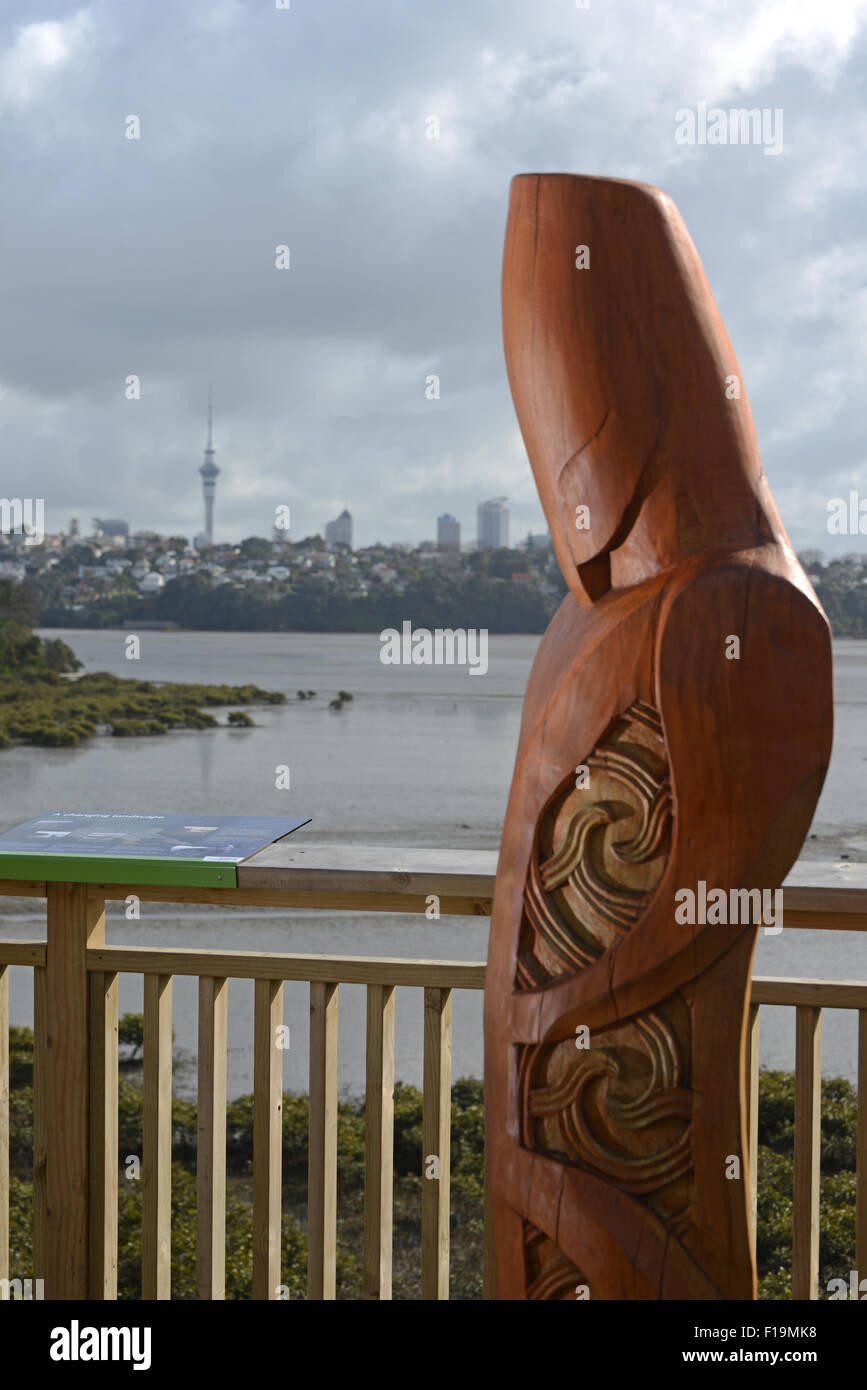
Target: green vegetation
{"points": [[841, 588], [776, 1137], [21, 650], [130, 1033], [468, 599], [48, 710], [366, 591], [43, 703], [846, 609], [240, 719], [776, 1182]]}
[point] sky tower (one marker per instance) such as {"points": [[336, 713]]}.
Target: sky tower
{"points": [[209, 471]]}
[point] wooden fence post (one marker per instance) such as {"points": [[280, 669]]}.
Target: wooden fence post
{"points": [[76, 922]]}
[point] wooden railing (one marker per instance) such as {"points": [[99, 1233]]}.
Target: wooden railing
{"points": [[809, 997], [76, 1073]]}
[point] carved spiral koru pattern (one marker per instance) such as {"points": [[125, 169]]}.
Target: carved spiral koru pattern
{"points": [[599, 853], [618, 1108]]}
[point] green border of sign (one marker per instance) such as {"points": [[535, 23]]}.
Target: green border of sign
{"points": [[89, 868]]}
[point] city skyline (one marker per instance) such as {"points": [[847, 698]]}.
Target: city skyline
{"points": [[337, 532], [492, 516]]}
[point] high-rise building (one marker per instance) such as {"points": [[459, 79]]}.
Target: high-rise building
{"points": [[209, 472], [448, 532], [115, 531], [339, 531], [492, 530]]}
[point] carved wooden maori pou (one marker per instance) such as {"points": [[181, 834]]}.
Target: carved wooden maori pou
{"points": [[675, 736]]}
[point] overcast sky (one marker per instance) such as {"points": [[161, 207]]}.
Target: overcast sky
{"points": [[306, 127]]}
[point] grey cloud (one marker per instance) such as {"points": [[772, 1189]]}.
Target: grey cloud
{"points": [[306, 127]]}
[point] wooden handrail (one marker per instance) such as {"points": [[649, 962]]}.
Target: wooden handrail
{"points": [[373, 878], [267, 965], [828, 994], [23, 953]]}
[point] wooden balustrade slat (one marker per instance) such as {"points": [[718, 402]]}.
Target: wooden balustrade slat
{"points": [[322, 1143], [211, 1150], [102, 1263], [40, 1119], [156, 1165], [808, 1100], [379, 1142], [267, 1137], [4, 1123], [752, 1068], [436, 1140], [861, 1152]]}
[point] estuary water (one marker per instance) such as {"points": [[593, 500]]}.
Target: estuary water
{"points": [[420, 756]]}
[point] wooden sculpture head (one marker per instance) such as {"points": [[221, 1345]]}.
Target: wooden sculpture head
{"points": [[617, 369]]}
